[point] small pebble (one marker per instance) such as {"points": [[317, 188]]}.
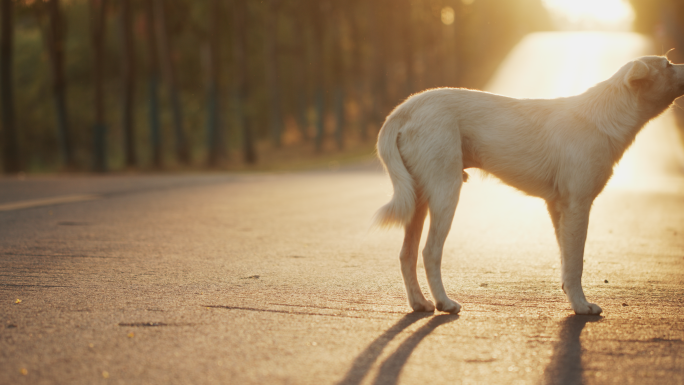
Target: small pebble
{"points": [[605, 281], [256, 276], [624, 304]]}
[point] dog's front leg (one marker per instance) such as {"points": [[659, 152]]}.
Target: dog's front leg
{"points": [[572, 232]]}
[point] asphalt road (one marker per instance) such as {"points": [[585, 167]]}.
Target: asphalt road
{"points": [[275, 279]]}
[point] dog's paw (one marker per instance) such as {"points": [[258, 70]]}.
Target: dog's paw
{"points": [[449, 306], [588, 309], [423, 306]]}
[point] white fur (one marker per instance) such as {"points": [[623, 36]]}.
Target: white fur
{"points": [[561, 150]]}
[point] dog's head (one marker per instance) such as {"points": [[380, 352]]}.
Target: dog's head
{"points": [[654, 79]]}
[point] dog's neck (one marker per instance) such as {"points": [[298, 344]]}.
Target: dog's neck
{"points": [[616, 113]]}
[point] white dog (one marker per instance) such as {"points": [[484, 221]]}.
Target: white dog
{"points": [[562, 150]]}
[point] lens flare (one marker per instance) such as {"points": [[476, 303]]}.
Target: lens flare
{"points": [[448, 15]]}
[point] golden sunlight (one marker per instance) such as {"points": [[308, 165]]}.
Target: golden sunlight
{"points": [[448, 15], [611, 15]]}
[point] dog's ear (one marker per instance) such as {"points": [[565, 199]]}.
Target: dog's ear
{"points": [[637, 75]]}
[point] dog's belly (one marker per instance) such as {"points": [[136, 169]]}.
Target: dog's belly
{"points": [[531, 185], [532, 176], [527, 183]]}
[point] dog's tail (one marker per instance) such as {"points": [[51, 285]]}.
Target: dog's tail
{"points": [[400, 209]]}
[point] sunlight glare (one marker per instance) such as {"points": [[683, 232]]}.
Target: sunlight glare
{"points": [[448, 15], [613, 15]]}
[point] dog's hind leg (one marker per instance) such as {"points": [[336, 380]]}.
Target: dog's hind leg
{"points": [[573, 223], [443, 199], [409, 259]]}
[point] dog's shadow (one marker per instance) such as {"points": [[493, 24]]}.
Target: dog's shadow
{"points": [[391, 368], [566, 367]]}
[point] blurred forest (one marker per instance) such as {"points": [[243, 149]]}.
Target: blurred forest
{"points": [[146, 84], [108, 85]]}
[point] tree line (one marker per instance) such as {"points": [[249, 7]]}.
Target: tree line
{"points": [[113, 84]]}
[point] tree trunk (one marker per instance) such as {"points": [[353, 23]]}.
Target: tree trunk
{"points": [[214, 64], [241, 81], [338, 72], [271, 67], [457, 46], [167, 65], [317, 15], [339, 116], [358, 69], [378, 24], [55, 44], [10, 149], [407, 31], [448, 56], [302, 76], [153, 86], [128, 83], [97, 26]]}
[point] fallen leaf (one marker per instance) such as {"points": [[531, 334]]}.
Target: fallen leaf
{"points": [[23, 371], [17, 301], [105, 374], [131, 335]]}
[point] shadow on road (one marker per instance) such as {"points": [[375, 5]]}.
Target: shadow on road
{"points": [[566, 361], [391, 368]]}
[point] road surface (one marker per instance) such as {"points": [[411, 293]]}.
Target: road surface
{"points": [[275, 279]]}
